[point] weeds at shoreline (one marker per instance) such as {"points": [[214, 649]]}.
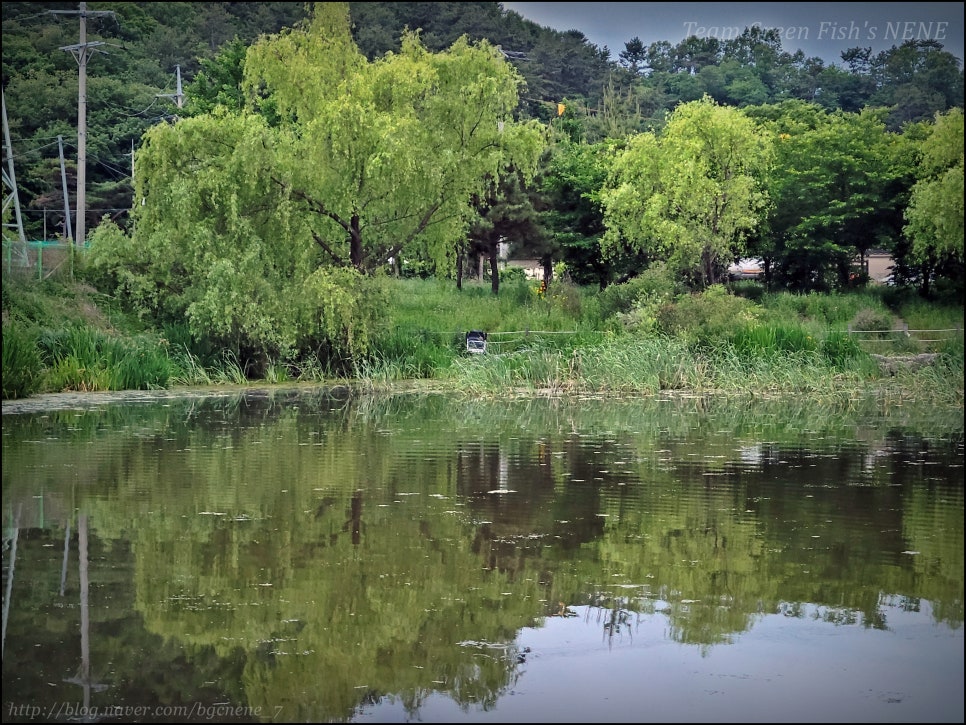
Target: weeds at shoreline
{"points": [[777, 345]]}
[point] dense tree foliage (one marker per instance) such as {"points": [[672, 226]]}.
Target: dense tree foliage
{"points": [[833, 192], [131, 79], [935, 211], [690, 195], [505, 211], [574, 174]]}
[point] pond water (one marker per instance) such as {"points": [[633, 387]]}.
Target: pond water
{"points": [[319, 555]]}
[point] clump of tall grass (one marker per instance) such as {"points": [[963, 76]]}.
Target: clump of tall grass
{"points": [[840, 349], [769, 340], [228, 370], [532, 371], [309, 368], [276, 372], [139, 364], [189, 369], [22, 364], [805, 372], [412, 352], [642, 365], [615, 365], [82, 358]]}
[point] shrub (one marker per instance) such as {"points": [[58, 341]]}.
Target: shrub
{"points": [[652, 285], [512, 274], [708, 318], [871, 320]]}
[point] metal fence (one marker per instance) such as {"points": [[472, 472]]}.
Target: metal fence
{"points": [[39, 259], [905, 339]]}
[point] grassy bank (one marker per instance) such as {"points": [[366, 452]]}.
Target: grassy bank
{"points": [[640, 338]]}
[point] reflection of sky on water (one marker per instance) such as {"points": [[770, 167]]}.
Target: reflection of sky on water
{"points": [[575, 670]]}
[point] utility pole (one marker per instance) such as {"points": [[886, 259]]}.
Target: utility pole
{"points": [[82, 52], [178, 96]]}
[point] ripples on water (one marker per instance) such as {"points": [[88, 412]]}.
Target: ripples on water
{"points": [[320, 556]]}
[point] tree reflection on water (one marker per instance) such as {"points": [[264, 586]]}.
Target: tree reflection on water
{"points": [[321, 556]]}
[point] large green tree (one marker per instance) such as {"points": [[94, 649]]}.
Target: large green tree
{"points": [[506, 215], [258, 227], [690, 195], [573, 176], [935, 211], [386, 156], [836, 187]]}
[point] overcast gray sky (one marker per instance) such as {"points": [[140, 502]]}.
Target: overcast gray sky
{"points": [[819, 29]]}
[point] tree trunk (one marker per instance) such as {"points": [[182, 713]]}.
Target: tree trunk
{"points": [[494, 269], [355, 244]]}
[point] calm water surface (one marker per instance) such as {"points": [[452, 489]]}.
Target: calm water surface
{"points": [[316, 555]]}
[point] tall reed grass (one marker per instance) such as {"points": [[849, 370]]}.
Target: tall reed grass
{"points": [[22, 364], [82, 358]]}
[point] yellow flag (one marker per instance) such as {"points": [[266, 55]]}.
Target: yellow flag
{"points": [[560, 109]]}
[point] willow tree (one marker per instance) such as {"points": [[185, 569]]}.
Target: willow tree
{"points": [[386, 156], [259, 226], [935, 211], [690, 195]]}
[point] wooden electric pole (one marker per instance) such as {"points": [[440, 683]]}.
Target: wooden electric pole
{"points": [[82, 52]]}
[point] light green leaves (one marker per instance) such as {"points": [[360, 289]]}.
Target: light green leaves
{"points": [[692, 194], [935, 211]]}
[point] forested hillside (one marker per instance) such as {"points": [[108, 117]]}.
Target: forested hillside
{"points": [[141, 47]]}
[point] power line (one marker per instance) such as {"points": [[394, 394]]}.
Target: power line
{"points": [[26, 153]]}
